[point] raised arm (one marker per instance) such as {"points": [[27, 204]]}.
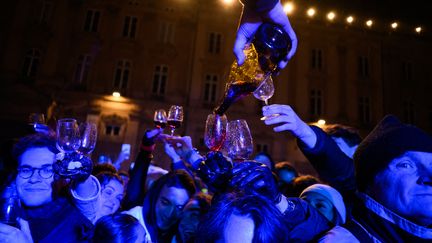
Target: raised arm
{"points": [[135, 189]]}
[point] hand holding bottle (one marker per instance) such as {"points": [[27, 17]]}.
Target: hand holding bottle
{"points": [[250, 21]]}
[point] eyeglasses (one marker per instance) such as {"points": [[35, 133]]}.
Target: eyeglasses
{"points": [[45, 172]]}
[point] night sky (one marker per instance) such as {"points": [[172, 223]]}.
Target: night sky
{"points": [[416, 12]]}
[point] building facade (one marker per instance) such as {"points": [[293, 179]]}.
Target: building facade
{"points": [[65, 58]]}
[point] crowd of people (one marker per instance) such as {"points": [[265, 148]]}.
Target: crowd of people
{"points": [[376, 189]]}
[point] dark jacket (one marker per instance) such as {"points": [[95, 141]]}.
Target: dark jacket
{"points": [[372, 222], [58, 221]]}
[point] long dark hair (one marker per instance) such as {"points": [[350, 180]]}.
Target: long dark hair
{"points": [[178, 179], [116, 228]]}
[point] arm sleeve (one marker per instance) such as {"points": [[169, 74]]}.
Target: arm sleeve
{"points": [[332, 165], [259, 5], [135, 189], [88, 206]]}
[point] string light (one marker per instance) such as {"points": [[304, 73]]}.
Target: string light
{"points": [[331, 16], [288, 8], [311, 12], [350, 19], [369, 23], [394, 25], [418, 29]]}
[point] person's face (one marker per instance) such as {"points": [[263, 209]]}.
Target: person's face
{"points": [[189, 222], [35, 191], [322, 204], [238, 229], [344, 147], [286, 176], [169, 206], [405, 187], [264, 160], [111, 196]]}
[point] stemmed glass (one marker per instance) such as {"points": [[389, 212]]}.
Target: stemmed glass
{"points": [[88, 136], [239, 143], [215, 131], [74, 141], [175, 117], [68, 135], [265, 90], [160, 118]]}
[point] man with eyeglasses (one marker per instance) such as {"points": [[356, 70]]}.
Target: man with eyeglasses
{"points": [[51, 218]]}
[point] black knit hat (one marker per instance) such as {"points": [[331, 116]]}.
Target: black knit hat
{"points": [[388, 140]]}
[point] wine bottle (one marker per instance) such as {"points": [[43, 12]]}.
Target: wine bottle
{"points": [[269, 47]]}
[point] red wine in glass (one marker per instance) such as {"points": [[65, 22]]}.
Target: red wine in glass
{"points": [[215, 131], [160, 124], [175, 117], [174, 123], [160, 118]]}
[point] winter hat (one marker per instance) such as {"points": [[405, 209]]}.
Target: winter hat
{"points": [[330, 194], [388, 140]]}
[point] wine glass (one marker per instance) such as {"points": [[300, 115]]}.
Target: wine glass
{"points": [[160, 118], [265, 90], [68, 135], [88, 136], [175, 117], [215, 131], [239, 143]]}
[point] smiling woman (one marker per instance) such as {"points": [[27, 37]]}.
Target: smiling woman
{"points": [[163, 203]]}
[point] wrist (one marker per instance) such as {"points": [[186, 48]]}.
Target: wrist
{"points": [[194, 158]]}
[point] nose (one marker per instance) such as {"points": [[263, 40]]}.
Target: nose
{"points": [[35, 177], [425, 176]]}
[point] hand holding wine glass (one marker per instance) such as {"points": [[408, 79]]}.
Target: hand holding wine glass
{"points": [[175, 117], [160, 118], [215, 131], [239, 143]]}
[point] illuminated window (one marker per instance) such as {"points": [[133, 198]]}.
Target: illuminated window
{"points": [[315, 102], [363, 67], [215, 40], [130, 26], [210, 88], [122, 74], [160, 78], [166, 32], [31, 63], [316, 60], [92, 21], [82, 68], [364, 109]]}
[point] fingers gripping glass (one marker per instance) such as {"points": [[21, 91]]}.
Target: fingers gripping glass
{"points": [[26, 172]]}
